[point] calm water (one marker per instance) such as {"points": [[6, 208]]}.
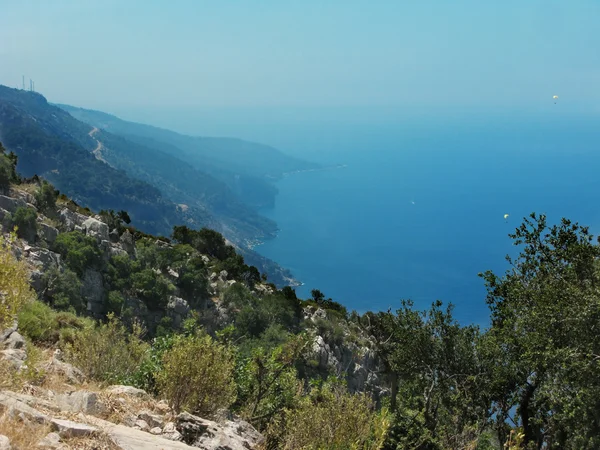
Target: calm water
{"points": [[418, 211]]}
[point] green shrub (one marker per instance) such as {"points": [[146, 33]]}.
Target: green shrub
{"points": [[46, 196], [79, 251], [108, 352], [154, 288], [332, 419], [197, 375], [64, 290], [43, 325], [15, 291], [25, 219]]}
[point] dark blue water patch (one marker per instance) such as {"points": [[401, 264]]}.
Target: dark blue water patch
{"points": [[419, 215]]}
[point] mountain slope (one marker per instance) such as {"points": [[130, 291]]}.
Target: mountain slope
{"points": [[157, 189], [246, 167]]}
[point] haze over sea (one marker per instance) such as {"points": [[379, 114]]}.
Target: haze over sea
{"points": [[418, 210]]}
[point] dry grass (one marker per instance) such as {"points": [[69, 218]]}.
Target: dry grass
{"points": [[22, 435], [119, 407]]}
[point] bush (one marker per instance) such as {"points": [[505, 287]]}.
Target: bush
{"points": [[15, 291], [25, 219], [197, 375], [79, 251], [43, 325], [46, 197], [153, 288], [330, 419], [108, 352], [64, 290]]}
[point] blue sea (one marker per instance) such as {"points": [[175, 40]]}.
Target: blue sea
{"points": [[417, 211]]}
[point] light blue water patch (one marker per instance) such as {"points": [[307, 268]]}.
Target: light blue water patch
{"points": [[418, 214]]}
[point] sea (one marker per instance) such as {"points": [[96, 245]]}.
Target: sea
{"points": [[411, 206]]}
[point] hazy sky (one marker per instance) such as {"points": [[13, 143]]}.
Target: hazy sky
{"points": [[114, 53]]}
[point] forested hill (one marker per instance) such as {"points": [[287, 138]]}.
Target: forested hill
{"points": [[105, 171], [246, 167]]}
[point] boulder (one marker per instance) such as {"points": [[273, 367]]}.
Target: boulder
{"points": [[177, 309], [79, 401], [141, 425], [11, 204], [4, 443], [114, 236], [153, 420], [14, 341], [51, 440], [16, 357], [47, 233], [71, 219], [92, 289], [209, 435], [156, 430], [71, 373], [126, 390], [70, 429], [37, 282], [95, 228], [170, 432], [127, 242], [18, 408], [43, 258]]}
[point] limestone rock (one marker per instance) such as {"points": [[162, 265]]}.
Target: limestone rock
{"points": [[73, 374], [141, 424], [16, 357], [92, 289], [70, 429], [127, 242], [95, 228], [156, 430], [43, 258], [51, 440], [127, 390], [114, 236], [170, 432], [4, 443], [14, 341], [71, 219], [11, 204], [16, 407], [80, 401], [48, 233], [153, 420], [209, 435]]}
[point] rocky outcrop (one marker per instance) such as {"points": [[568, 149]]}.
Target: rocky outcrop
{"points": [[209, 435], [11, 204], [80, 401], [71, 219], [92, 290], [47, 233], [96, 229]]}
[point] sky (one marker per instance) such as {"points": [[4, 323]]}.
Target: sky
{"points": [[113, 54]]}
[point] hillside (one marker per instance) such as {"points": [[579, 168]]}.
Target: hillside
{"points": [[246, 167], [156, 188], [228, 361]]}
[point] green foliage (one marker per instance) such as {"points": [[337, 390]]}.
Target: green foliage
{"points": [[544, 312], [318, 299], [108, 352], [15, 292], [79, 251], [64, 290], [154, 288], [267, 382], [206, 241], [46, 197], [45, 326], [25, 219], [197, 375], [330, 418]]}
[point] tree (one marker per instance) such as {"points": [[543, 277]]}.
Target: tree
{"points": [[545, 312], [46, 197], [25, 219]]}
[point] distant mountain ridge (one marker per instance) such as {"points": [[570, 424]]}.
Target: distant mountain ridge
{"points": [[246, 167], [158, 183]]}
